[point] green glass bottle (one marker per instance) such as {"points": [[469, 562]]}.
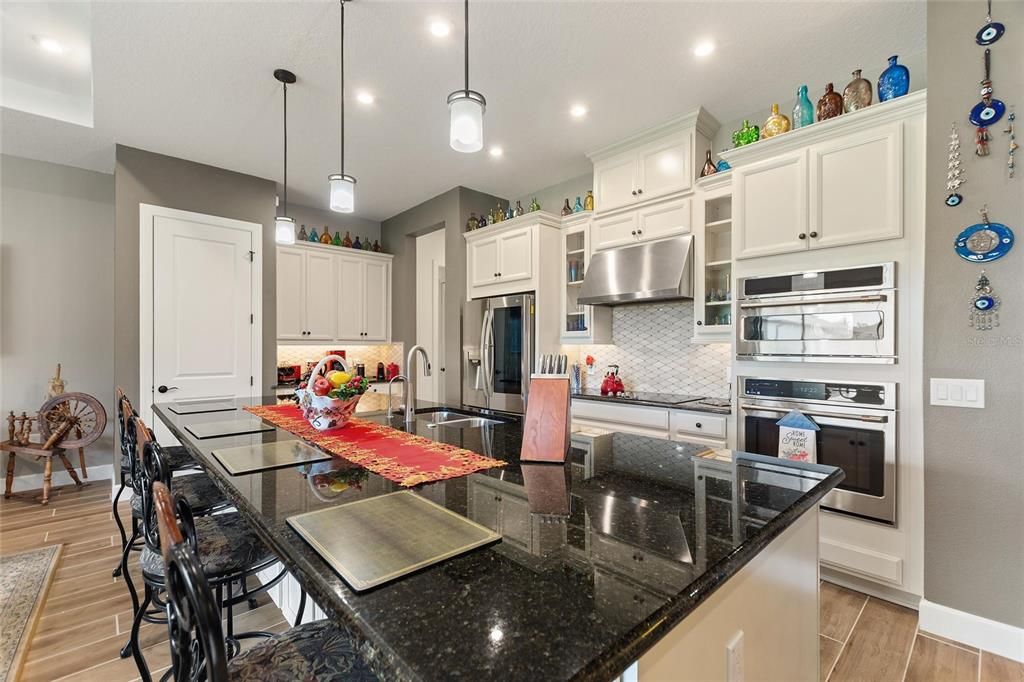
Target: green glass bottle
{"points": [[337, 238]]}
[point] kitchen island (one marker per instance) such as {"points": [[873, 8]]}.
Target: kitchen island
{"points": [[637, 549]]}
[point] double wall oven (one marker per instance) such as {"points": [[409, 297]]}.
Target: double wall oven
{"points": [[858, 434]]}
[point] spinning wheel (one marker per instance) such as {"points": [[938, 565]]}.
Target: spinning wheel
{"points": [[76, 419]]}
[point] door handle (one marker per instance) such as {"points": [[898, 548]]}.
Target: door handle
{"points": [[768, 303], [784, 410], [163, 389]]}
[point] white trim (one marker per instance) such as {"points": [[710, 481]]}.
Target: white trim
{"points": [[25, 482], [960, 626], [147, 212]]}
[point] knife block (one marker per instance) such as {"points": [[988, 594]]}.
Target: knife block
{"points": [[546, 426]]}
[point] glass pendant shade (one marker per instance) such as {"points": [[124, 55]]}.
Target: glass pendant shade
{"points": [[467, 120], [284, 230], [343, 193]]}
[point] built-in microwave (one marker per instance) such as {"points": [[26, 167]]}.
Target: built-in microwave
{"points": [[843, 315]]}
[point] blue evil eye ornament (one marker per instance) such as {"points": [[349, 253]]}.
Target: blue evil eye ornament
{"points": [[991, 31], [954, 200], [988, 110], [984, 314], [984, 242]]}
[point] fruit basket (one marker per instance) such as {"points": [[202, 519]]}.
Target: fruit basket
{"points": [[329, 400]]}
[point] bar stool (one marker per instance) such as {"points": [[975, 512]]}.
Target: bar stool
{"points": [[316, 651], [228, 551]]}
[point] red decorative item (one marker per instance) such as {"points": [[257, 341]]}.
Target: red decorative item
{"points": [[392, 371]]}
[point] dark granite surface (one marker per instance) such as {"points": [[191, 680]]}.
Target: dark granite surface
{"points": [[675, 402], [600, 557]]}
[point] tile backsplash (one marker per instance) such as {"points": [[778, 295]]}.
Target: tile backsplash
{"points": [[368, 355], [651, 344]]}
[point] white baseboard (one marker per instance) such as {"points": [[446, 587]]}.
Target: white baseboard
{"points": [[998, 638], [25, 482], [870, 587]]}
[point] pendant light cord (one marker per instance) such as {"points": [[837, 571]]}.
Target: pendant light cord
{"points": [[466, 31], [285, 148], [342, 88]]}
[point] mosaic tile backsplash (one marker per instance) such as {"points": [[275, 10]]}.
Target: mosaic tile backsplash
{"points": [[368, 355], [652, 347]]}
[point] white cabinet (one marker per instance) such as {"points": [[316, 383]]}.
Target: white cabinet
{"points": [[615, 230], [712, 281], [580, 323], [615, 181], [702, 428], [770, 205], [656, 169], [328, 294], [306, 295], [646, 223], [504, 258], [483, 262]]}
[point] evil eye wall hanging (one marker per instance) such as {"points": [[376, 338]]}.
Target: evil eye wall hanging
{"points": [[985, 241], [988, 110], [984, 313], [954, 170], [991, 31]]}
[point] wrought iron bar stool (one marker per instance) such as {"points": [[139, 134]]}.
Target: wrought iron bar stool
{"points": [[228, 552], [316, 651]]}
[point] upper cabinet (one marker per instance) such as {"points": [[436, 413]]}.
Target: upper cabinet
{"points": [[835, 183], [649, 222], [615, 181], [504, 258], [330, 294]]}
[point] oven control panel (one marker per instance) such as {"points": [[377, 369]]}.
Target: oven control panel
{"points": [[818, 391]]}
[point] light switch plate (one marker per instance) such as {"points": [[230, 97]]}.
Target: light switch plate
{"points": [[958, 392]]}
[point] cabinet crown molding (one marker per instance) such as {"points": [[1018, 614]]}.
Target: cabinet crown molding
{"points": [[869, 117], [699, 120], [337, 250], [525, 220]]}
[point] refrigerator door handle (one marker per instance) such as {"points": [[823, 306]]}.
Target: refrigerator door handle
{"points": [[486, 352]]}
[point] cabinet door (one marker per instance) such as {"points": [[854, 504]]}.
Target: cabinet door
{"points": [[664, 220], [615, 182], [291, 281], [615, 230], [770, 206], [375, 300], [483, 262], [351, 298], [483, 505], [515, 519], [856, 189], [515, 255], [321, 296], [665, 167]]}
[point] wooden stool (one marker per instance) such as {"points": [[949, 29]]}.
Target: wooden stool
{"points": [[36, 451]]}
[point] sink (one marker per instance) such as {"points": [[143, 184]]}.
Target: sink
{"points": [[456, 420]]}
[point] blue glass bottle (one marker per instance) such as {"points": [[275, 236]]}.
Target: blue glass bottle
{"points": [[894, 81], [357, 244], [803, 110], [314, 237], [578, 207]]}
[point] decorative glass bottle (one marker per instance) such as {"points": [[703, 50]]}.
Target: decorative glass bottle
{"points": [[830, 105], [566, 209], [803, 110], [894, 81], [337, 238], [314, 237], [508, 211], [776, 124], [588, 201], [857, 93], [518, 210], [347, 241], [357, 244], [472, 223], [367, 246], [709, 166], [302, 234], [578, 206], [499, 213], [377, 247], [534, 205], [325, 236]]}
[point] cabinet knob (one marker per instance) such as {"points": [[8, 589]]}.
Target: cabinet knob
{"points": [[633, 233], [634, 192], [639, 231], [802, 235], [639, 191], [698, 425], [699, 323], [814, 235]]}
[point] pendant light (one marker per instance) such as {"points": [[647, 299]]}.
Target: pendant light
{"points": [[467, 109], [343, 187], [284, 227]]}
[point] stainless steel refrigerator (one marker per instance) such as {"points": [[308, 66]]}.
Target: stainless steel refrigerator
{"points": [[497, 352]]}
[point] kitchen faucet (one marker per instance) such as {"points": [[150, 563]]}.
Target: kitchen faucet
{"points": [[410, 383], [404, 380]]}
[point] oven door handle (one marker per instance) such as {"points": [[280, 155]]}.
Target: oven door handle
{"points": [[879, 298], [874, 419]]}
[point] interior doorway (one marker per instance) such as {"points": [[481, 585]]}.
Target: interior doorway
{"points": [[430, 301]]}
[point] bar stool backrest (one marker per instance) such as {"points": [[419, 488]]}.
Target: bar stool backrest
{"points": [[154, 470]]}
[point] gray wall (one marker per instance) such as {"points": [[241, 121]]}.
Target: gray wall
{"points": [[552, 198], [56, 287], [448, 211], [315, 217], [142, 177], [974, 460]]}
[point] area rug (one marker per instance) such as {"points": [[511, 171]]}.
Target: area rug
{"points": [[404, 458], [24, 581]]}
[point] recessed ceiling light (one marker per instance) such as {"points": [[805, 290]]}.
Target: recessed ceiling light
{"points": [[365, 97], [440, 28], [578, 110], [497, 151], [704, 48], [50, 45]]}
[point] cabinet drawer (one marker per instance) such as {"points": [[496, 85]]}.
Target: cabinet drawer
{"points": [[648, 417], [706, 425]]}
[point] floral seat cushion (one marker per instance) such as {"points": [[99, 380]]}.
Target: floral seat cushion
{"points": [[317, 651], [225, 544], [199, 491], [176, 456]]}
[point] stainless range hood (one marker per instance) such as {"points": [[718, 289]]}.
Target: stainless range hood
{"points": [[656, 271]]}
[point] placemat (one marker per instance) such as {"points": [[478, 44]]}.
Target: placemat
{"points": [[247, 459], [405, 458], [203, 406], [236, 427]]}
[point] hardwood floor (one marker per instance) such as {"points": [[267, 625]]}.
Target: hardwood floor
{"points": [[87, 613]]}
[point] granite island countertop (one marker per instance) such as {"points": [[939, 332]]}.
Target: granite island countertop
{"points": [[564, 594]]}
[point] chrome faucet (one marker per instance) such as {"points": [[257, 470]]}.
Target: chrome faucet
{"points": [[410, 383], [405, 384]]}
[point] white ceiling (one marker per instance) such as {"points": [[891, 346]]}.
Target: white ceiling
{"points": [[194, 80]]}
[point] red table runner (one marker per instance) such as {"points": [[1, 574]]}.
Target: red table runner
{"points": [[405, 458]]}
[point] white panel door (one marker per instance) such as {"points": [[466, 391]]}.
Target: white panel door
{"points": [[615, 230], [664, 219], [483, 260], [290, 295], [856, 191], [770, 206], [615, 182], [320, 299], [203, 330], [375, 300], [665, 167], [351, 298], [515, 255]]}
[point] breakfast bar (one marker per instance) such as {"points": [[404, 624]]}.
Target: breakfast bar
{"points": [[601, 560]]}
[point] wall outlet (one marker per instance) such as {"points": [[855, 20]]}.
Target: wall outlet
{"points": [[734, 664], [958, 392]]}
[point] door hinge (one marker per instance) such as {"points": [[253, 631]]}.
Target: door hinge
{"points": [[250, 381], [252, 256], [251, 320]]}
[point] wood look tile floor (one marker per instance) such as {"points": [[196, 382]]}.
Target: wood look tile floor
{"points": [[87, 613]]}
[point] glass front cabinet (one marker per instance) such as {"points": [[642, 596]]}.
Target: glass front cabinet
{"points": [[713, 281], [580, 323]]}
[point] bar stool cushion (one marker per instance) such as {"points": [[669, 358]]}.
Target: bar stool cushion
{"points": [[176, 456], [226, 546], [315, 651], [199, 491]]}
